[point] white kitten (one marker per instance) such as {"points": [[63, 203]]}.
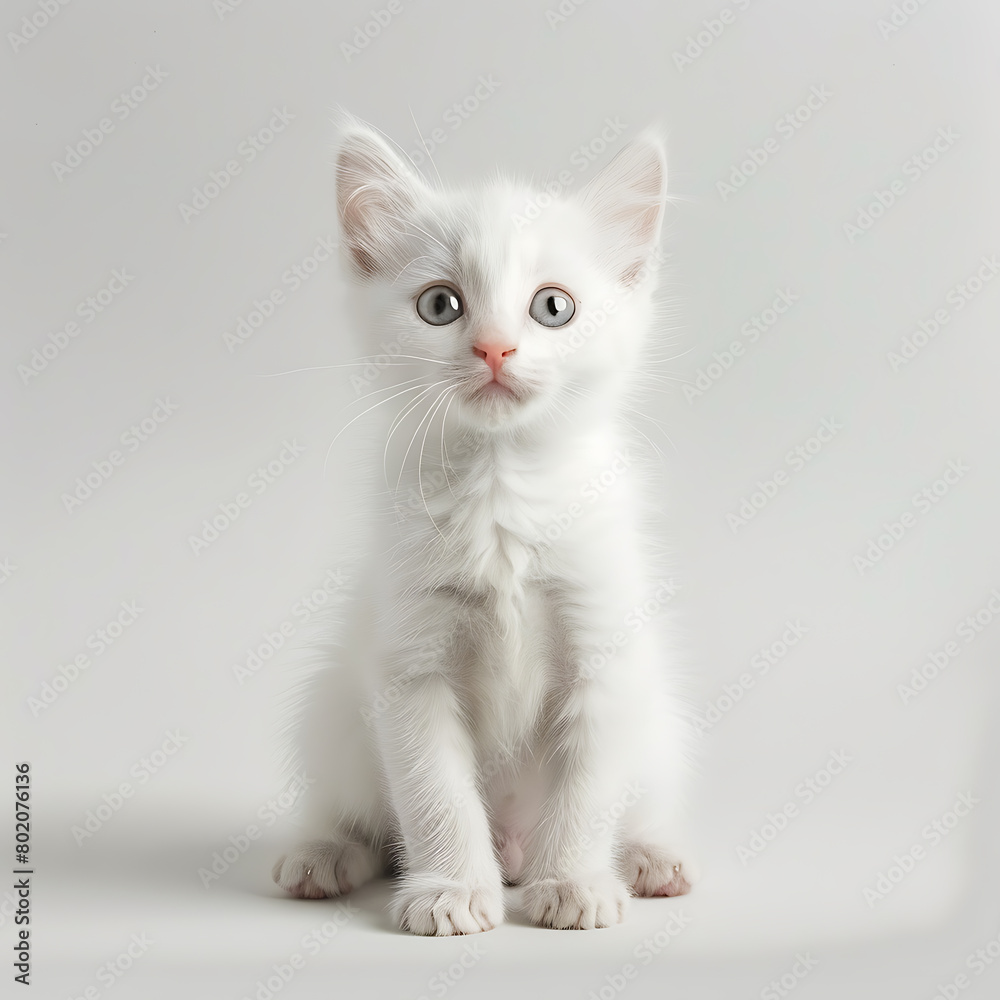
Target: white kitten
{"points": [[497, 711]]}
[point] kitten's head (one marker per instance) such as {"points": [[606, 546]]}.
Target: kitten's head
{"points": [[524, 305]]}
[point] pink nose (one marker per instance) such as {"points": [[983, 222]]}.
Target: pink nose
{"points": [[493, 354]]}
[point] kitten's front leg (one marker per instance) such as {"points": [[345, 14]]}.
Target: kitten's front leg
{"points": [[452, 883], [570, 873]]}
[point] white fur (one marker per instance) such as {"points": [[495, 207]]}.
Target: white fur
{"points": [[458, 731]]}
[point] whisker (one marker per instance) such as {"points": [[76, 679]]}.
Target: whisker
{"points": [[412, 388], [429, 236], [445, 458], [420, 460], [662, 377], [321, 368], [583, 391], [656, 448], [406, 156], [424, 144], [408, 263], [406, 454], [663, 361], [386, 388], [416, 357], [406, 410]]}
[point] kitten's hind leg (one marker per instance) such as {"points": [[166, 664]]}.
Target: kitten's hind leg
{"points": [[651, 870], [319, 868]]}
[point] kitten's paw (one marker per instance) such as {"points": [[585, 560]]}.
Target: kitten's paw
{"points": [[579, 904], [434, 906], [651, 870], [321, 868]]}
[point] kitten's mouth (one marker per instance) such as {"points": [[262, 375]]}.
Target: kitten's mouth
{"points": [[493, 390], [497, 402]]}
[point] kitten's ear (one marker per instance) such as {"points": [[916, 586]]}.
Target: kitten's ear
{"points": [[375, 192], [626, 201]]}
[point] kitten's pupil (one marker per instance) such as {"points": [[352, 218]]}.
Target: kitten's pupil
{"points": [[439, 305], [551, 307]]}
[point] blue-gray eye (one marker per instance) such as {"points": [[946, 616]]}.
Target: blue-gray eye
{"points": [[439, 305], [551, 307]]}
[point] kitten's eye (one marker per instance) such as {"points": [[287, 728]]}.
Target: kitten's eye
{"points": [[439, 305], [551, 307]]}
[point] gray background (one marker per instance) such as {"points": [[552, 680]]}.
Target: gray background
{"points": [[172, 670]]}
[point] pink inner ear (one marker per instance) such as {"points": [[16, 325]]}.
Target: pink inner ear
{"points": [[626, 200], [373, 189], [363, 260]]}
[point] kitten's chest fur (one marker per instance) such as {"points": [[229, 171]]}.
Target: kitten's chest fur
{"points": [[480, 529], [497, 528], [497, 520]]}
